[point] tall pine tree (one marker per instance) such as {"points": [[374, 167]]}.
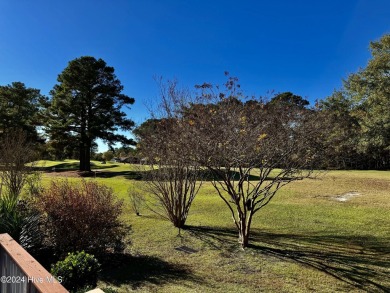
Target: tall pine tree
{"points": [[87, 104], [20, 109], [369, 89]]}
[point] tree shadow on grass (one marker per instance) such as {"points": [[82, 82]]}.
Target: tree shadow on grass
{"points": [[70, 166], [362, 262], [146, 175], [136, 271], [215, 237], [130, 175]]}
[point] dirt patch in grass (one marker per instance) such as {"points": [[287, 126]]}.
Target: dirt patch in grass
{"points": [[340, 197], [346, 196], [73, 173], [64, 174]]}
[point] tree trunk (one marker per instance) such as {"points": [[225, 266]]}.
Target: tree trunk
{"points": [[179, 222], [244, 230], [85, 146], [243, 234], [243, 238], [85, 157], [88, 157], [82, 157]]}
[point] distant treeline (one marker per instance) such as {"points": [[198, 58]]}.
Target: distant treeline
{"points": [[355, 119]]}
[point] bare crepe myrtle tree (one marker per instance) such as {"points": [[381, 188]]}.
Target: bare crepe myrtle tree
{"points": [[17, 216], [16, 162], [174, 186], [251, 148], [171, 177]]}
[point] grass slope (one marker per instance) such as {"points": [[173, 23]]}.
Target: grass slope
{"points": [[304, 240]]}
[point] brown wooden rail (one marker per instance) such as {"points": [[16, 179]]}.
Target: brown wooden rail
{"points": [[21, 273]]}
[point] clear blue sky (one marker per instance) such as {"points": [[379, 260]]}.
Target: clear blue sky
{"points": [[306, 47]]}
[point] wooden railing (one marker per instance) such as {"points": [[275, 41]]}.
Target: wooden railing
{"points": [[21, 273]]}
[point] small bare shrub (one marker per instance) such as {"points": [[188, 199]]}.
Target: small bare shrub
{"points": [[16, 162], [34, 184], [18, 217], [136, 200]]}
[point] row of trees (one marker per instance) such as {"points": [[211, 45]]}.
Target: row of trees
{"points": [[85, 104], [250, 148], [359, 114], [87, 101], [247, 148], [356, 116]]}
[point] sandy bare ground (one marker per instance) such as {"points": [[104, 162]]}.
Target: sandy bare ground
{"points": [[346, 196], [63, 174]]}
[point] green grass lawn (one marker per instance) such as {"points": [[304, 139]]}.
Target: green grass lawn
{"points": [[304, 240]]}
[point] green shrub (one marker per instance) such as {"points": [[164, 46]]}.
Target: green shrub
{"points": [[82, 217], [78, 270], [22, 222]]}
